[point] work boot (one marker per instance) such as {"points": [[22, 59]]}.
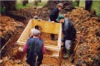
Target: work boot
{"points": [[67, 54]]}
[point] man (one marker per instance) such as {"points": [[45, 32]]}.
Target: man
{"points": [[69, 33], [36, 27], [35, 49], [54, 15]]}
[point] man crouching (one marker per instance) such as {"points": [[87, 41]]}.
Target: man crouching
{"points": [[69, 34]]}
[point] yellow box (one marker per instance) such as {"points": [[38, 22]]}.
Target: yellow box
{"points": [[47, 27]]}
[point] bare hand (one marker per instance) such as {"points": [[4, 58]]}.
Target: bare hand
{"points": [[52, 21], [20, 49]]}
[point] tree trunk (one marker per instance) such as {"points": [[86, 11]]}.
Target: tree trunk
{"points": [[36, 2], [9, 5], [25, 2]]}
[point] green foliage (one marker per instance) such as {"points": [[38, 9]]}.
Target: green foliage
{"points": [[2, 10], [75, 4], [96, 7], [82, 3], [42, 3], [19, 6]]}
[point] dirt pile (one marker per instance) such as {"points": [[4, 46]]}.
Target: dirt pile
{"points": [[42, 13], [47, 39], [17, 58], [14, 57], [29, 13], [7, 28], [67, 5], [50, 61], [87, 51]]}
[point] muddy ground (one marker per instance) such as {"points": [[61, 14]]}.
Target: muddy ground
{"points": [[87, 46]]}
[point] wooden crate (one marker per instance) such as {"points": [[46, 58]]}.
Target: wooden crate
{"points": [[47, 27]]}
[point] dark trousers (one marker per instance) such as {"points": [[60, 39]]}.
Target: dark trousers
{"points": [[39, 62], [33, 62], [63, 40], [36, 64]]}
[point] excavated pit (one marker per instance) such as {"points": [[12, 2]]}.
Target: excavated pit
{"points": [[47, 39], [87, 40]]}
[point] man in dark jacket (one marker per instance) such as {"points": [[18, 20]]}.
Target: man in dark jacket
{"points": [[35, 49], [69, 33], [54, 15]]}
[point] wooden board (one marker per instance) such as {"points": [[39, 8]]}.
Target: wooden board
{"points": [[47, 27]]}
